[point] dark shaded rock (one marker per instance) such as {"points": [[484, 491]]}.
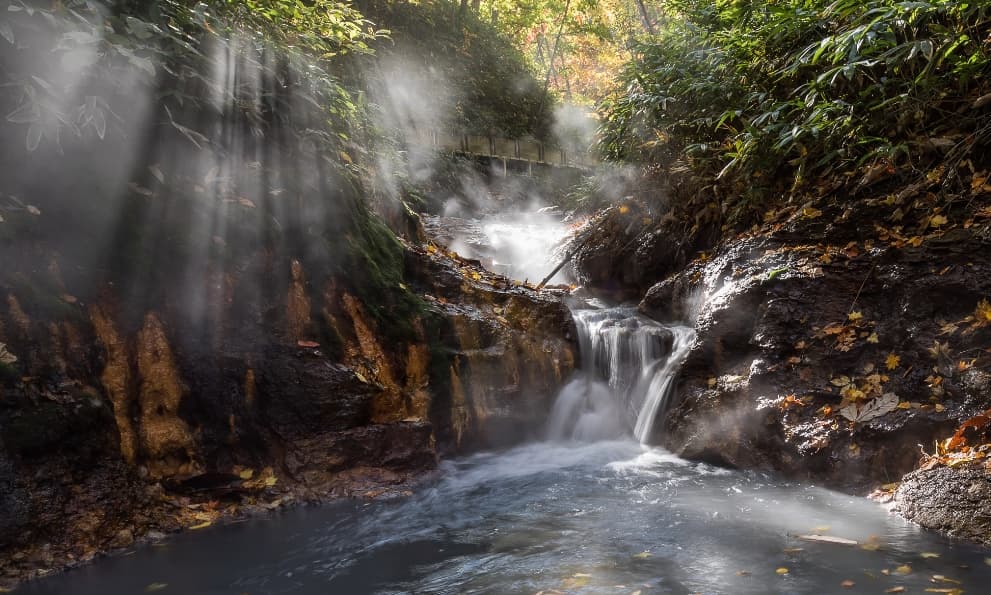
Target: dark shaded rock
{"points": [[955, 501], [300, 394], [626, 249]]}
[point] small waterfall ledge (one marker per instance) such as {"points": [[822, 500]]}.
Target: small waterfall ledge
{"points": [[629, 363]]}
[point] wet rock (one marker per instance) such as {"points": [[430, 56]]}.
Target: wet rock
{"points": [[782, 322], [124, 538], [955, 501], [626, 249]]}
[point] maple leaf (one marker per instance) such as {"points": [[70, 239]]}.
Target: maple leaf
{"points": [[892, 361], [854, 316], [873, 409]]}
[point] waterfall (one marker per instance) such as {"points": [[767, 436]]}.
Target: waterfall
{"points": [[629, 363]]}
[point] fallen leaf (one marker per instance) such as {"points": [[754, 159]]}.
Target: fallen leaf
{"points": [[882, 405], [892, 361], [847, 584], [939, 578], [6, 357], [202, 525], [904, 569], [246, 474], [308, 344], [983, 313], [873, 338], [782, 570], [895, 590], [642, 555], [937, 221], [811, 213], [854, 316]]}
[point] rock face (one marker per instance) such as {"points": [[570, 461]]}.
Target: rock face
{"points": [[792, 335], [625, 250], [113, 421]]}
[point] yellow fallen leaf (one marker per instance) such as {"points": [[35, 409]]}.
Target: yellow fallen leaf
{"points": [[575, 582], [983, 312], [642, 555], [929, 555], [271, 481], [873, 338], [892, 361], [870, 547], [904, 569], [937, 221], [821, 529], [939, 578], [202, 525], [855, 316], [624, 210], [782, 570], [246, 474], [811, 213], [895, 590]]}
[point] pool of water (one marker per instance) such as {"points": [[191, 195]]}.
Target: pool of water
{"points": [[604, 517]]}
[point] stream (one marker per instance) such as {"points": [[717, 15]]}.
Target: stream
{"points": [[592, 509]]}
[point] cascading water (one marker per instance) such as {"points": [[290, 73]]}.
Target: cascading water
{"points": [[629, 363]]}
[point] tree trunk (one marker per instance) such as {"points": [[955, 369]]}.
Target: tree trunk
{"points": [[645, 17], [550, 70]]}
